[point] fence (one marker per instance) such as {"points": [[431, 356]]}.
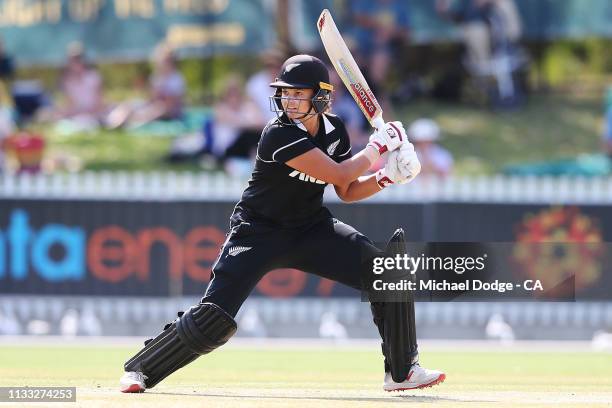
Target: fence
{"points": [[303, 317], [210, 187]]}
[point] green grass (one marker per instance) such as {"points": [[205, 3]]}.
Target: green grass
{"points": [[116, 150], [482, 141], [239, 376]]}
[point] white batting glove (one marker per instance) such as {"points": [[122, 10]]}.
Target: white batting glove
{"points": [[389, 138], [408, 163], [390, 174]]}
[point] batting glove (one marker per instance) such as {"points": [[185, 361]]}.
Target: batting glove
{"points": [[390, 174], [389, 138], [408, 163]]}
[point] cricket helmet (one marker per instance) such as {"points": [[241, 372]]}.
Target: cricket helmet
{"points": [[307, 72]]}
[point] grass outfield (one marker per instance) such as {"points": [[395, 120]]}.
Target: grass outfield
{"points": [[240, 376]]}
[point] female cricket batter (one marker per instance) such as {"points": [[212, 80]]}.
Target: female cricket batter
{"points": [[280, 222]]}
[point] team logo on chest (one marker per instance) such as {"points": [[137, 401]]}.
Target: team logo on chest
{"points": [[332, 147], [305, 177]]}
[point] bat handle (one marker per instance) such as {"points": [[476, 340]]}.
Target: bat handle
{"points": [[378, 122]]}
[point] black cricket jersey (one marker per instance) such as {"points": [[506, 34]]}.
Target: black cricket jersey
{"points": [[280, 195]]}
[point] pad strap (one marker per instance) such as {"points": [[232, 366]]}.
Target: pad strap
{"points": [[200, 330]]}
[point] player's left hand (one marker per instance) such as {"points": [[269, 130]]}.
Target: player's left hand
{"points": [[390, 174], [408, 163]]}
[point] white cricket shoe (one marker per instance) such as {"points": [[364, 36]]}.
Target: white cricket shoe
{"points": [[133, 381], [418, 377]]}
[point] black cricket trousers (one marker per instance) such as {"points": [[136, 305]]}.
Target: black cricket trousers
{"points": [[328, 248]]}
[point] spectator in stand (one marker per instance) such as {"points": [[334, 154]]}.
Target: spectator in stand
{"points": [[167, 93], [435, 160], [491, 30], [382, 29], [236, 129], [485, 25], [258, 85], [81, 86], [472, 17]]}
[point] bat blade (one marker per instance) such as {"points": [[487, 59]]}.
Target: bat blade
{"points": [[347, 69]]}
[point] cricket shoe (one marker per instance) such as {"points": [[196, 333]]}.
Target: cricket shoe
{"points": [[133, 381], [418, 377]]}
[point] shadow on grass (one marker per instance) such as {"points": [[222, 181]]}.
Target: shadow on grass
{"points": [[402, 398]]}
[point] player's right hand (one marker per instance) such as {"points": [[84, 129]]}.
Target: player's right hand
{"points": [[389, 138]]}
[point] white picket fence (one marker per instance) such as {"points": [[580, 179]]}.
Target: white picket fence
{"points": [[168, 186], [302, 316]]}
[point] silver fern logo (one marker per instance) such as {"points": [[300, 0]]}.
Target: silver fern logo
{"points": [[235, 250], [332, 147]]}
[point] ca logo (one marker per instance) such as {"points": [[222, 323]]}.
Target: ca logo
{"points": [[391, 133]]}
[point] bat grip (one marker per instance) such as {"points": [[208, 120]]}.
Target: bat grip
{"points": [[378, 122]]}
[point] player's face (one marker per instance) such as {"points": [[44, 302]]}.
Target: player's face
{"points": [[296, 102]]}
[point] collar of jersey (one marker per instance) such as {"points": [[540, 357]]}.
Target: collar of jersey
{"points": [[328, 126]]}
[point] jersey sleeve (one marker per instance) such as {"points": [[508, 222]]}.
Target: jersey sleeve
{"points": [[281, 144], [344, 150]]}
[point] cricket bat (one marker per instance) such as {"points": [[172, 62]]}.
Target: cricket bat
{"points": [[347, 69]]}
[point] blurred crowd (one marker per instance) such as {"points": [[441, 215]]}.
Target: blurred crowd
{"points": [[231, 135], [80, 103], [379, 33]]}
